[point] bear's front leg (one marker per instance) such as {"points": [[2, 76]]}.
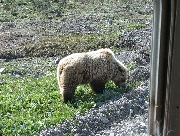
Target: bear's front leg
{"points": [[97, 86], [68, 94]]}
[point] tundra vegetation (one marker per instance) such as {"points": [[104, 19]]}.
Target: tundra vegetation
{"points": [[34, 33]]}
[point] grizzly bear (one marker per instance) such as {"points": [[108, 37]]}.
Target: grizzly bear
{"points": [[95, 68]]}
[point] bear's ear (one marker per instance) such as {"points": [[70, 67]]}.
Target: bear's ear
{"points": [[120, 69], [106, 52]]}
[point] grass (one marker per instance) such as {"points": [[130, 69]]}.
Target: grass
{"points": [[26, 107], [66, 45], [26, 9], [30, 105], [113, 17]]}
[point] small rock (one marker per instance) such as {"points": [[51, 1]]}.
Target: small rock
{"points": [[57, 61], [59, 14], [17, 76], [131, 111], [104, 120], [2, 70], [140, 100], [122, 108], [111, 134], [16, 72], [2, 83], [36, 77]]}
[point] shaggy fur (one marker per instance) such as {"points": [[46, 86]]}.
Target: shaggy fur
{"points": [[95, 68]]}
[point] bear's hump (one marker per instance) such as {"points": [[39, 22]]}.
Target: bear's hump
{"points": [[79, 57]]}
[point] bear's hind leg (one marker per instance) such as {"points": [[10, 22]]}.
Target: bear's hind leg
{"points": [[97, 86]]}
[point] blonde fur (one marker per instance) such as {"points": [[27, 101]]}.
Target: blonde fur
{"points": [[95, 67]]}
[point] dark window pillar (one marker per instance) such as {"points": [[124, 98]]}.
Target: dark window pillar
{"points": [[164, 109]]}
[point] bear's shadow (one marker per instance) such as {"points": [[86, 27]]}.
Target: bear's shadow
{"points": [[84, 96]]}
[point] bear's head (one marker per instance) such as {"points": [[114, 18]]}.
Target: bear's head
{"points": [[120, 76]]}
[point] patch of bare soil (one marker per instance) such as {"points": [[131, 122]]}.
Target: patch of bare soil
{"points": [[26, 38]]}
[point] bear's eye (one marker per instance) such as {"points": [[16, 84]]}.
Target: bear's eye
{"points": [[123, 80]]}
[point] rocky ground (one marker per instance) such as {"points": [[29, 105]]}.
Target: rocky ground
{"points": [[22, 38], [124, 115]]}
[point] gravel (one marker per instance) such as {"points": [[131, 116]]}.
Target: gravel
{"points": [[123, 115], [120, 116]]}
